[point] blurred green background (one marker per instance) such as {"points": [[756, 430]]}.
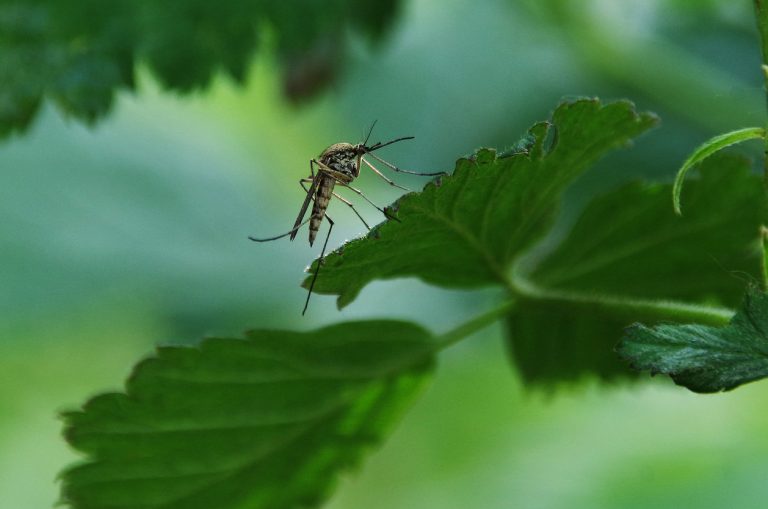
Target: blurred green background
{"points": [[133, 233]]}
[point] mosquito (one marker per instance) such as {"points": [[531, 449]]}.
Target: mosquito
{"points": [[339, 165]]}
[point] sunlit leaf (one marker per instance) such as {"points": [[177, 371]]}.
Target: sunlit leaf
{"points": [[262, 422], [628, 244], [702, 358], [466, 229]]}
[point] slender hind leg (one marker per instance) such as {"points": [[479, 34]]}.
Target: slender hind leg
{"points": [[356, 190], [395, 168], [388, 180], [292, 230], [319, 263], [299, 223], [344, 200]]}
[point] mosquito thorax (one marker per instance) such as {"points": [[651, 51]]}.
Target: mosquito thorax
{"points": [[343, 157]]}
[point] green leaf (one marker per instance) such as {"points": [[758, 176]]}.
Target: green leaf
{"points": [[465, 230], [551, 342], [266, 421], [79, 53], [629, 242], [628, 245], [702, 358], [705, 150]]}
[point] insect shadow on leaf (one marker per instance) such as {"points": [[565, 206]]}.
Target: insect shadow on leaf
{"points": [[339, 165]]}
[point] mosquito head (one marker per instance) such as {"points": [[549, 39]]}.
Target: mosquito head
{"points": [[361, 149]]}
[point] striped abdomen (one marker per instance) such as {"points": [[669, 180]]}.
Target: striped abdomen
{"points": [[322, 197]]}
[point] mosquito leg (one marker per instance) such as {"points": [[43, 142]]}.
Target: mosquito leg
{"points": [[292, 230], [355, 190], [319, 262], [349, 203], [389, 181], [395, 168], [337, 176], [303, 183], [340, 180]]}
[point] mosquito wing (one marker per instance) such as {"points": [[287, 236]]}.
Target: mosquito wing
{"points": [[305, 206]]}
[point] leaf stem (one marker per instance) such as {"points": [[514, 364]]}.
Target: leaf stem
{"points": [[761, 14], [764, 257], [475, 324], [636, 309]]}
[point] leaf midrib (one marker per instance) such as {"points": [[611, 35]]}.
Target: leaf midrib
{"points": [[471, 241], [595, 263]]}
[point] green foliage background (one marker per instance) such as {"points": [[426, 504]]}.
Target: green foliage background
{"points": [[134, 232]]}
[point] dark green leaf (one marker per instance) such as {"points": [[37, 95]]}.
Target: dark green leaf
{"points": [[629, 244], [267, 421], [79, 53], [76, 53], [551, 341], [702, 358], [465, 230]]}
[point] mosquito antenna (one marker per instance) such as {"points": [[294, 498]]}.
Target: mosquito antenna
{"points": [[369, 132], [379, 145], [292, 230], [319, 262]]}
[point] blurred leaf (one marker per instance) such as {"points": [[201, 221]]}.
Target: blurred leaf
{"points": [[186, 42], [465, 230], [559, 341], [764, 258], [708, 148], [268, 421], [629, 244], [702, 358], [76, 53], [80, 52], [629, 241]]}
